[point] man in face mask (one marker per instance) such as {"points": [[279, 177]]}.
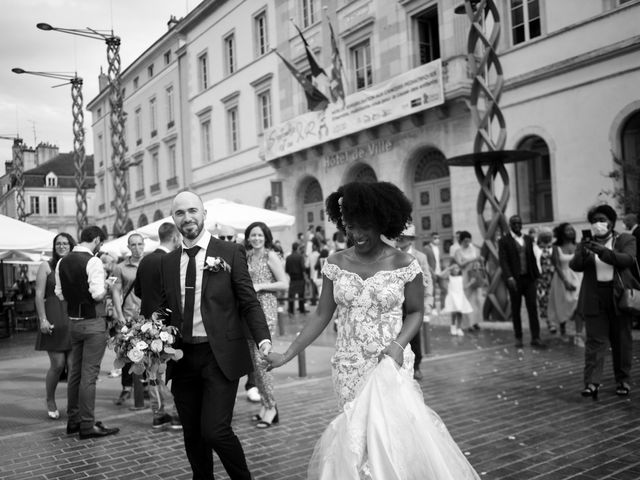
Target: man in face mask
{"points": [[520, 271]]}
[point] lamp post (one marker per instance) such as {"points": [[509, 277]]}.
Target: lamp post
{"points": [[489, 157], [78, 138], [118, 147]]}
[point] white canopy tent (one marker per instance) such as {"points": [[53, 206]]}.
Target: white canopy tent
{"points": [[24, 237], [219, 212]]}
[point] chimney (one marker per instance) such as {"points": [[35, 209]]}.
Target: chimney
{"points": [[103, 80]]}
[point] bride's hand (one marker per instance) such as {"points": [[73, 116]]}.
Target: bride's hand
{"points": [[275, 360], [394, 351]]}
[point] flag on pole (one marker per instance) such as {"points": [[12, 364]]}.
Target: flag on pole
{"points": [[336, 80], [318, 74], [316, 100]]}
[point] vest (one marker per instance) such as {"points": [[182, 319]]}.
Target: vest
{"points": [[75, 285]]}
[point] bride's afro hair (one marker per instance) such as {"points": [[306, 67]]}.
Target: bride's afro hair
{"points": [[379, 204]]}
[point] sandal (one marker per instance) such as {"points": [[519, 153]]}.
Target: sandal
{"points": [[623, 389], [265, 424], [590, 390]]}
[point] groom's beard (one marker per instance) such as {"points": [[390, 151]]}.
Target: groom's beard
{"points": [[191, 234]]}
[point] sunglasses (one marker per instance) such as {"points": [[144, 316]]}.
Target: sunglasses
{"points": [[228, 238]]}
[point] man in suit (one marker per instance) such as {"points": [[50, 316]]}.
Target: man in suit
{"points": [[80, 280], [405, 243], [520, 271], [294, 267], [207, 287], [147, 287], [631, 222], [433, 251]]}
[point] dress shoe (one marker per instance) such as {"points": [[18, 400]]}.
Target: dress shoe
{"points": [[417, 374], [536, 343], [160, 421], [519, 343], [71, 429], [98, 430]]}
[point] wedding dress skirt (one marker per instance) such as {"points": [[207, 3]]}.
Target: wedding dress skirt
{"points": [[388, 433]]}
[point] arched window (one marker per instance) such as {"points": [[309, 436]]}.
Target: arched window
{"points": [[142, 221], [364, 173], [158, 215], [533, 181], [431, 166], [313, 192], [630, 166]]}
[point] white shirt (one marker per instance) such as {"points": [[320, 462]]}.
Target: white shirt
{"points": [[203, 243], [604, 271], [96, 275], [519, 239], [436, 254]]}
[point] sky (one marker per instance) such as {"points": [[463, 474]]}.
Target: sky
{"points": [[28, 105]]}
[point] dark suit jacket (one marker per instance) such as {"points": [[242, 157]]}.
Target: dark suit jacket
{"points": [[228, 305], [147, 285], [431, 258], [621, 257], [636, 234], [510, 260]]}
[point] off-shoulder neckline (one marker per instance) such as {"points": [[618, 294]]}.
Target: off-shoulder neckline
{"points": [[375, 274]]}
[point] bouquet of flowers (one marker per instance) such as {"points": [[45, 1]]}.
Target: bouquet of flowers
{"points": [[147, 343]]}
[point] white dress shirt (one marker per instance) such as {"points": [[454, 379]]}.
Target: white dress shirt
{"points": [[95, 274], [203, 243]]}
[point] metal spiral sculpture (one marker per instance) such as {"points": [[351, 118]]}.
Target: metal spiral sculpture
{"points": [[118, 149], [79, 153], [18, 172], [484, 66]]}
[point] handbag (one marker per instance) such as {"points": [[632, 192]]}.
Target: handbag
{"points": [[630, 299]]}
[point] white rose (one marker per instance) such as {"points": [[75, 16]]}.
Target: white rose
{"points": [[146, 327], [124, 329], [156, 345], [164, 336], [141, 345], [135, 355]]}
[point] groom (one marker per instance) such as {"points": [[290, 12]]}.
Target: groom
{"points": [[207, 286]]}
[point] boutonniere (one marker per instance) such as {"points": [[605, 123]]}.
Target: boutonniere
{"points": [[216, 264]]}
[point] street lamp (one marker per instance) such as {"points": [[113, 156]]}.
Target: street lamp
{"points": [[489, 157], [118, 149], [78, 138]]}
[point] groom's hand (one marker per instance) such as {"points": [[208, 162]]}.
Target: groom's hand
{"points": [[265, 348]]}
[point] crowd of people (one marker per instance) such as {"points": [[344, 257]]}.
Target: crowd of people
{"points": [[369, 280]]}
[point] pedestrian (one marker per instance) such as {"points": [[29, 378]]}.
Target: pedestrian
{"points": [[294, 267], [80, 280], [520, 272], [543, 285], [434, 255], [630, 221], [148, 289], [367, 285], [268, 277], [468, 258], [405, 244], [53, 335], [606, 259], [109, 262], [565, 284], [456, 302], [207, 287], [127, 307]]}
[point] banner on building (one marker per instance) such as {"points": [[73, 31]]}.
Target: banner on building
{"points": [[413, 91]]}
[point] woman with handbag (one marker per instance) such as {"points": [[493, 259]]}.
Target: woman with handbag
{"points": [[605, 257]]}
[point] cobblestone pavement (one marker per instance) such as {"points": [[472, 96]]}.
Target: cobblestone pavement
{"points": [[517, 414]]}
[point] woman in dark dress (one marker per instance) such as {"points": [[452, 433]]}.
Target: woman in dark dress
{"points": [[53, 335]]}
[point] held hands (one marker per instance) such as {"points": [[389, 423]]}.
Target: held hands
{"points": [[275, 360], [265, 349]]}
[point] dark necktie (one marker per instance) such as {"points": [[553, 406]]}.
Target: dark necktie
{"points": [[189, 294]]}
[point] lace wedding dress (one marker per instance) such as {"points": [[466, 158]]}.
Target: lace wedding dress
{"points": [[385, 431]]}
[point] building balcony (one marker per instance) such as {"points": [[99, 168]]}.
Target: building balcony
{"points": [[155, 188], [172, 182]]}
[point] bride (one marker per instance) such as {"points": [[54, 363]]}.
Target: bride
{"points": [[385, 431]]}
